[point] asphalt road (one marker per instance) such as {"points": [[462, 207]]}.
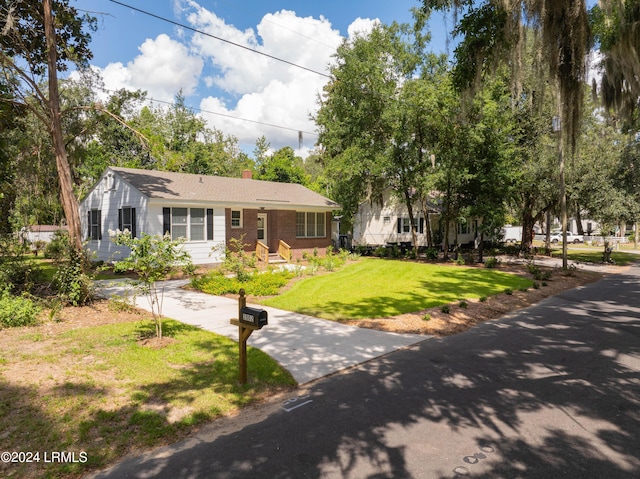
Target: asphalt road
{"points": [[550, 392]]}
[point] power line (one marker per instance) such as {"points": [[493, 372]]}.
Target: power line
{"points": [[220, 39], [226, 115]]}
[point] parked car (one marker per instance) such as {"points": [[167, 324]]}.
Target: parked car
{"points": [[571, 238]]}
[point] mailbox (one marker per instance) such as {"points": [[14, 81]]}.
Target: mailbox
{"points": [[253, 316]]}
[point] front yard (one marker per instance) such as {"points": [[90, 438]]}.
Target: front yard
{"points": [[87, 381], [376, 288], [88, 384]]}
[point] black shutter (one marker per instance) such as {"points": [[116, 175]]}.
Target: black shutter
{"points": [[421, 225], [99, 224], [166, 221], [209, 224], [133, 223], [120, 219], [399, 225], [88, 225]]}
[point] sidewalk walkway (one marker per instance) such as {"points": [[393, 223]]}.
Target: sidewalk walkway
{"points": [[309, 348]]}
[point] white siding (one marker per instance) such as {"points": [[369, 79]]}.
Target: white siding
{"points": [[108, 199], [376, 224], [202, 252]]}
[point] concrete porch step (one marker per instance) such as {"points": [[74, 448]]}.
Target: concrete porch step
{"points": [[276, 258]]}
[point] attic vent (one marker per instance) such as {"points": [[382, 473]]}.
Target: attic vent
{"points": [[109, 182]]}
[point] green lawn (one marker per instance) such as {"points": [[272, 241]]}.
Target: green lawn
{"points": [[99, 391], [621, 258], [375, 288]]}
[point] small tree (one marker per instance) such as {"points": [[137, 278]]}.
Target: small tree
{"points": [[153, 259]]}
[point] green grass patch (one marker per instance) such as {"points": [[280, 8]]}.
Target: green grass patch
{"points": [[374, 288], [621, 258], [108, 392], [257, 284]]}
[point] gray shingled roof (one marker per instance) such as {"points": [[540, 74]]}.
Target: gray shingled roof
{"points": [[217, 189]]}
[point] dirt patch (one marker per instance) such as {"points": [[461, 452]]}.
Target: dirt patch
{"points": [[463, 316]]}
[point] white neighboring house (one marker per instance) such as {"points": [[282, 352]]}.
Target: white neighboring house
{"points": [[43, 233], [387, 223], [205, 210]]}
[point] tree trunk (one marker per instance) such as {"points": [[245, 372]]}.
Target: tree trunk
{"points": [[427, 223], [68, 199], [579, 221], [414, 234], [528, 222]]}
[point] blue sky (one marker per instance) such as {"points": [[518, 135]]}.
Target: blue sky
{"points": [[228, 85], [136, 51]]}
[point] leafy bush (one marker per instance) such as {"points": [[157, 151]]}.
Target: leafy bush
{"points": [[431, 254], [463, 304], [16, 311], [446, 309], [58, 245], [508, 291], [492, 262], [257, 284], [483, 299], [17, 269], [71, 283], [237, 260]]}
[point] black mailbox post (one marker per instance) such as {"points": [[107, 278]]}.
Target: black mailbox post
{"points": [[249, 319], [253, 317]]}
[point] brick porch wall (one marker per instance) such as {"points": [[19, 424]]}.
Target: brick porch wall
{"points": [[281, 225]]}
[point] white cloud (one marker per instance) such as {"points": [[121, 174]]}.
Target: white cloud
{"points": [[237, 82], [163, 68], [267, 90], [362, 27]]}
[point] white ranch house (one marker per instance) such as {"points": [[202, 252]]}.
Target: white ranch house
{"points": [[207, 211]]}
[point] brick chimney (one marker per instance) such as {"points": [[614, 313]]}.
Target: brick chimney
{"points": [[246, 174]]}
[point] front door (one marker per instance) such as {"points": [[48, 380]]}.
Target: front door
{"points": [[262, 228]]}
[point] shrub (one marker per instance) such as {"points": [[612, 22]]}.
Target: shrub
{"points": [[463, 304], [258, 284], [483, 299], [16, 269], [431, 254], [57, 247], [426, 317], [492, 262], [459, 260], [536, 285], [16, 311], [508, 291], [237, 260], [71, 283], [533, 268], [446, 309]]}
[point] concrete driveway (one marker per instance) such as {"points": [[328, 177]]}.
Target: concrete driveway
{"points": [[309, 348]]}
